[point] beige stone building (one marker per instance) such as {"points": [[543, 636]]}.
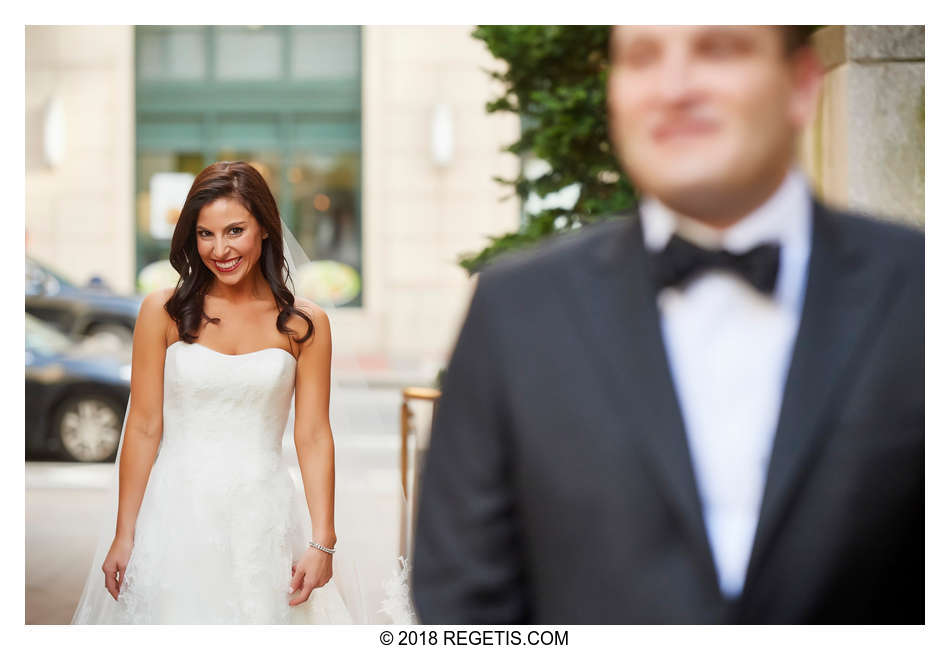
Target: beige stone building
{"points": [[427, 153], [80, 121], [388, 122]]}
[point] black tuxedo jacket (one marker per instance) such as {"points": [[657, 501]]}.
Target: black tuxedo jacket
{"points": [[558, 486]]}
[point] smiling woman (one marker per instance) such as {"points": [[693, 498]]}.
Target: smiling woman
{"points": [[227, 260], [202, 451], [231, 224]]}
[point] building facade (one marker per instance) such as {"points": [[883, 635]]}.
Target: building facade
{"points": [[374, 141]]}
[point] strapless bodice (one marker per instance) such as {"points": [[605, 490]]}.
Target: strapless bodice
{"points": [[211, 399]]}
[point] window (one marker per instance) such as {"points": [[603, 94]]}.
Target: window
{"points": [[285, 98]]}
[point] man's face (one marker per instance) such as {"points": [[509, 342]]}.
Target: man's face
{"points": [[705, 118]]}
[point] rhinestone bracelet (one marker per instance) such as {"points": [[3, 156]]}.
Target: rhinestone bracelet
{"points": [[321, 547]]}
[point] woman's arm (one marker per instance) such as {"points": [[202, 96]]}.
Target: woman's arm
{"points": [[314, 442], [143, 430]]}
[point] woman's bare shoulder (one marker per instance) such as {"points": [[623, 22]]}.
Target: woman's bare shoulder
{"points": [[152, 312], [318, 316], [153, 304], [310, 307]]}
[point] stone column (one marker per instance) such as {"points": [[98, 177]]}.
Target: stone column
{"points": [[865, 149]]}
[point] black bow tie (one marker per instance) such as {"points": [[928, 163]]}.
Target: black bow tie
{"points": [[681, 260]]}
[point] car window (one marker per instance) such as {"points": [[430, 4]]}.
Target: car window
{"points": [[37, 274], [35, 277], [44, 339]]}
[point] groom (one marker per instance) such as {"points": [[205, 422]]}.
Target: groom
{"points": [[711, 412]]}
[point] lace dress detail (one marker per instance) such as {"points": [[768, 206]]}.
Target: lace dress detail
{"points": [[219, 526]]}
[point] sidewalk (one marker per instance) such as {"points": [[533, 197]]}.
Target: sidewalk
{"points": [[65, 502], [379, 371]]}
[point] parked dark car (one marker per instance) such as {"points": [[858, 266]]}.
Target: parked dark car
{"points": [[76, 394], [78, 311]]}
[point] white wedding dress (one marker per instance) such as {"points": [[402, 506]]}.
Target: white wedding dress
{"points": [[221, 522]]}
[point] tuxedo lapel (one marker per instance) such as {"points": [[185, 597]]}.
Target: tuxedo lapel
{"points": [[844, 297], [616, 311]]}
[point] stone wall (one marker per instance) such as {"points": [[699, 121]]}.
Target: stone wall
{"points": [[419, 216], [865, 150], [79, 211]]}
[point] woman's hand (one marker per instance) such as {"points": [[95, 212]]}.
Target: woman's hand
{"points": [[114, 566], [313, 571]]}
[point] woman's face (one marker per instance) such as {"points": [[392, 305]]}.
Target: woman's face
{"points": [[229, 239]]}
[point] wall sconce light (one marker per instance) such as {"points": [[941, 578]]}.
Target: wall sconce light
{"points": [[443, 136], [54, 132]]}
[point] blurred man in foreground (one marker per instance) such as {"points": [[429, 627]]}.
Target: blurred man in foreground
{"points": [[709, 412]]}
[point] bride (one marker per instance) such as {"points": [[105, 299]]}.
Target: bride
{"points": [[206, 528]]}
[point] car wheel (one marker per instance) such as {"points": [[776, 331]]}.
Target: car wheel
{"points": [[87, 428]]}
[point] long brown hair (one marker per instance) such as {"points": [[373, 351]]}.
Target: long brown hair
{"points": [[240, 181]]}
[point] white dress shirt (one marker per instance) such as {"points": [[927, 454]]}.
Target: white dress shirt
{"points": [[729, 347]]}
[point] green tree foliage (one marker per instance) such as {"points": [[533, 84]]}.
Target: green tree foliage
{"points": [[556, 82]]}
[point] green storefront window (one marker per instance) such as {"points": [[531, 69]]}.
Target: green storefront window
{"points": [[286, 99]]}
